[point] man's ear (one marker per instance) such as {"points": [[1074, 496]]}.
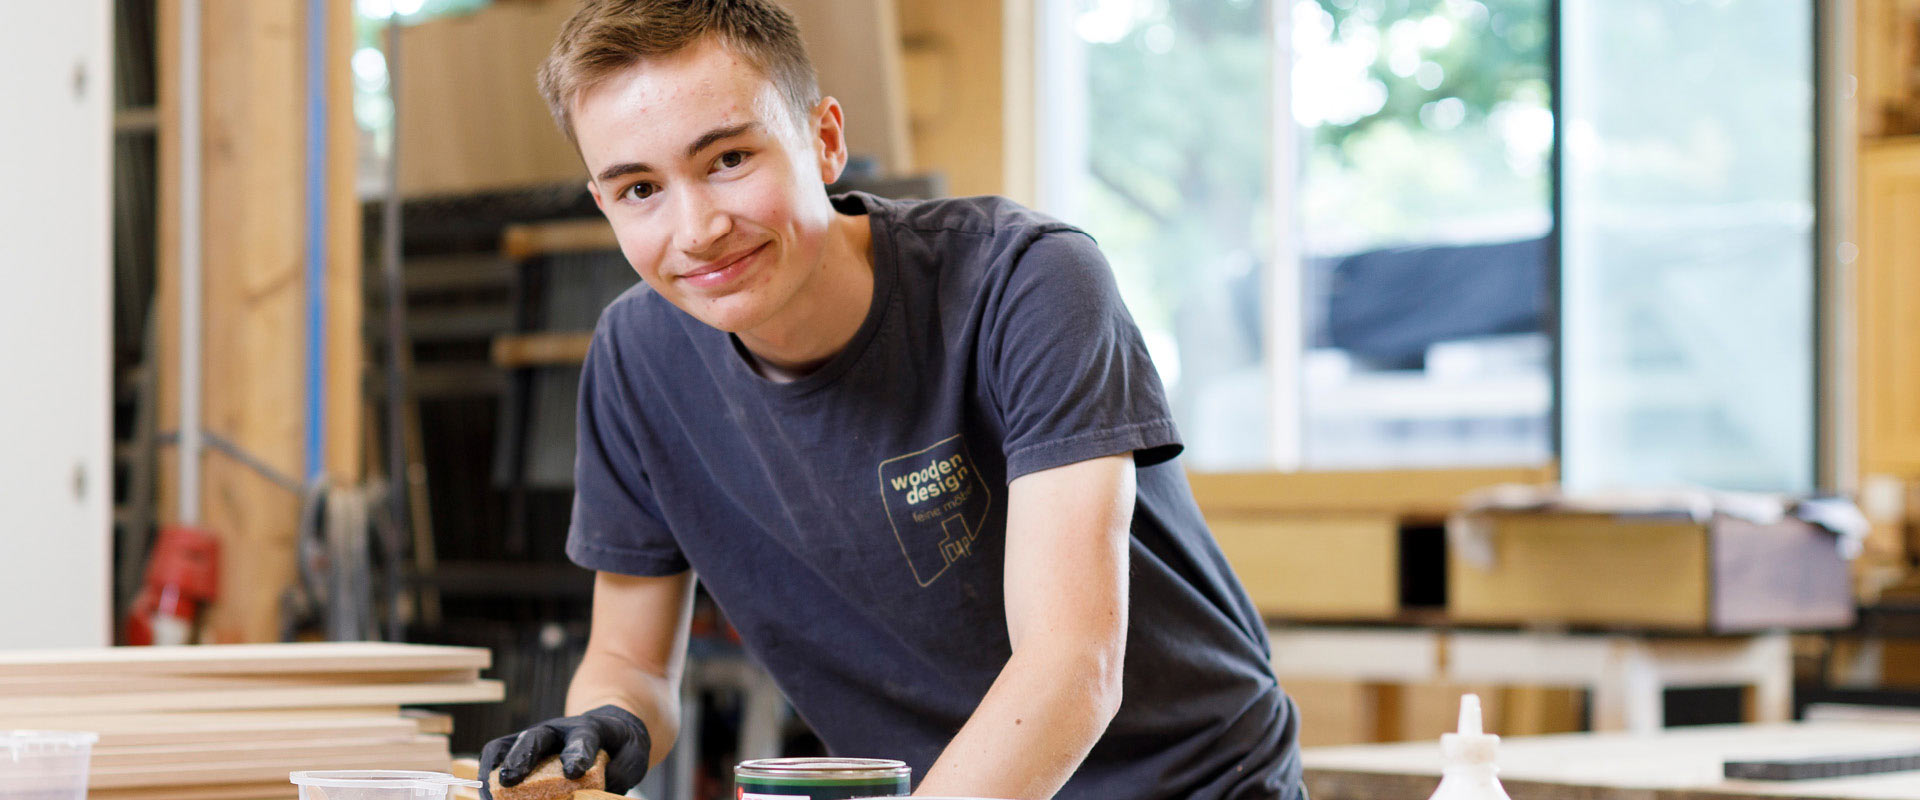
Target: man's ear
{"points": [[829, 139]]}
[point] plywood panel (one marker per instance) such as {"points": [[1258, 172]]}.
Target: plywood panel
{"points": [[114, 684], [450, 140], [1586, 568], [128, 759], [1888, 273], [134, 730], [304, 697], [1887, 51], [855, 47], [1318, 567], [451, 144], [249, 658], [953, 69]]}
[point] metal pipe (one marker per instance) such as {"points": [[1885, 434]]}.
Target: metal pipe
{"points": [[316, 237], [397, 341], [190, 273]]}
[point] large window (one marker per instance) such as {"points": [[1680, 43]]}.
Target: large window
{"points": [[1396, 319], [1688, 275], [1335, 222]]}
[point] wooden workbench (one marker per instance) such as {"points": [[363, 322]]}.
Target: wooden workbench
{"points": [[1675, 764]]}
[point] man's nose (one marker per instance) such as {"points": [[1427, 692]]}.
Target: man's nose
{"points": [[702, 222]]}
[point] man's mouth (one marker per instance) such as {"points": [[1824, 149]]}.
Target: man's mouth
{"points": [[722, 270]]}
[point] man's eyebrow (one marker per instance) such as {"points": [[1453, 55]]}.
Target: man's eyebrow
{"points": [[706, 140], [618, 170], [717, 134]]}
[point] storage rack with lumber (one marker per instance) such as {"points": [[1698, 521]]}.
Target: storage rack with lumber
{"points": [[229, 722]]}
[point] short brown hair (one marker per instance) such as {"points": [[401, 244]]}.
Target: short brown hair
{"points": [[606, 36]]}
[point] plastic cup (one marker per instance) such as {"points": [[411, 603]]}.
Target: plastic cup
{"points": [[44, 765], [376, 784]]}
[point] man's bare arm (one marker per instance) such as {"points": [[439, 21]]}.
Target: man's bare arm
{"points": [[1066, 593], [636, 650]]}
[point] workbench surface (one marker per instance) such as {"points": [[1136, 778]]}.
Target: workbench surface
{"points": [[1675, 764]]}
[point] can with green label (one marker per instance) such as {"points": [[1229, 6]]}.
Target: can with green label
{"points": [[821, 778]]}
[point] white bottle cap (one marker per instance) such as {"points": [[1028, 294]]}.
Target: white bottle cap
{"points": [[1469, 745]]}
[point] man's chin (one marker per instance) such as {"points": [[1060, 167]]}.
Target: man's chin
{"points": [[734, 318]]}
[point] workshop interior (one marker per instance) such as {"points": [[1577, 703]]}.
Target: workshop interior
{"points": [[1546, 370]]}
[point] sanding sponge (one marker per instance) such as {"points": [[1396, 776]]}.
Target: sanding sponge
{"points": [[546, 782]]}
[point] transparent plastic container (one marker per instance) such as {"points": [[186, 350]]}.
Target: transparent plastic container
{"points": [[377, 784], [44, 765]]}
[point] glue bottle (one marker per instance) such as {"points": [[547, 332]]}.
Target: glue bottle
{"points": [[1469, 771]]}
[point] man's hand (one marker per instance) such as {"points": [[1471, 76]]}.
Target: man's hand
{"points": [[578, 740]]}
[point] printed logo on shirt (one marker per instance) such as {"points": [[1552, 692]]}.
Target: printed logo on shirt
{"points": [[937, 504]]}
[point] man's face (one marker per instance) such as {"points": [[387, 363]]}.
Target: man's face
{"points": [[713, 191]]}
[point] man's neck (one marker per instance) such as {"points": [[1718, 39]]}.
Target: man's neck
{"points": [[825, 318]]}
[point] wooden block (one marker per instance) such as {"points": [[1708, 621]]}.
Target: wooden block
{"points": [[1323, 566], [1335, 712], [303, 658], [521, 242], [1538, 710], [430, 721], [1899, 663], [1423, 711], [1725, 576], [1585, 568], [346, 695], [546, 782], [558, 348]]}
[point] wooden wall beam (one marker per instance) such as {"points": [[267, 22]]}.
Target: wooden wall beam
{"points": [[254, 314]]}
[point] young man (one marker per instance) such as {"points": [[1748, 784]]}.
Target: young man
{"points": [[915, 450]]}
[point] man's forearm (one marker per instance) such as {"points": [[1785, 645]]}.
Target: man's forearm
{"points": [[605, 678], [1041, 716]]}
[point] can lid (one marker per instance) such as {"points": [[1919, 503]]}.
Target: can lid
{"points": [[809, 767], [810, 764]]}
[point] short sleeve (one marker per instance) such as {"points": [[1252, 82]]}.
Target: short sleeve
{"points": [[617, 523], [1070, 372]]}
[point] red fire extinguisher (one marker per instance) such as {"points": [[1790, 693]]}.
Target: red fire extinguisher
{"points": [[183, 574]]}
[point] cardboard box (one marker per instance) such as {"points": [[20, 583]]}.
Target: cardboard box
{"points": [[1725, 575]]}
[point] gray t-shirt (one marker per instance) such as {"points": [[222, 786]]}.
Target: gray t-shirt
{"points": [[851, 524]]}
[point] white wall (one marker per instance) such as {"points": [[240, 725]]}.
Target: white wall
{"points": [[55, 249]]}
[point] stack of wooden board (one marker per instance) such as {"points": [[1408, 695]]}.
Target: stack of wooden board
{"points": [[229, 722]]}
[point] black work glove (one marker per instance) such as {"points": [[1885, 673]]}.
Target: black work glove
{"points": [[579, 740]]}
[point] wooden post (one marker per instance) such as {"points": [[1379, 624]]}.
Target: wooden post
{"points": [[346, 299], [253, 259]]}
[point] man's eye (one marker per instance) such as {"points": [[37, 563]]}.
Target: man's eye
{"points": [[731, 159], [641, 190]]}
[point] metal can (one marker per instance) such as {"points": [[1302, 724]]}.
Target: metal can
{"points": [[821, 778]]}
